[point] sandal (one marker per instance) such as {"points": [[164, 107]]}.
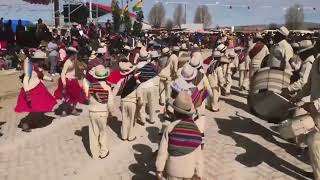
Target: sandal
{"points": [[132, 139], [102, 157]]}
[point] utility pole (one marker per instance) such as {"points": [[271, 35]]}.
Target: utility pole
{"points": [[56, 13], [185, 13], [90, 11]]}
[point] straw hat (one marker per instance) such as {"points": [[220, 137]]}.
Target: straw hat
{"points": [[195, 62], [221, 48], [188, 72], [72, 50], [144, 55], [217, 54], [184, 47], [127, 48], [126, 68], [165, 50], [284, 31], [305, 45], [139, 45], [101, 51], [100, 72], [176, 48], [39, 55], [93, 55], [154, 54], [183, 104], [259, 36]]}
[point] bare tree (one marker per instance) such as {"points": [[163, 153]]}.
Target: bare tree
{"points": [[157, 15], [295, 17], [273, 26], [202, 16], [179, 15], [169, 24]]}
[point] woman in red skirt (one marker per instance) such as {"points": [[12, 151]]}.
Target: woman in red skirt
{"points": [[69, 88], [34, 97]]}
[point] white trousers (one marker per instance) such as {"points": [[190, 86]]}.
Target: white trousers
{"points": [[128, 110], [98, 137]]}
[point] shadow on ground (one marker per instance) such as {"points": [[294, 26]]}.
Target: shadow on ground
{"points": [[255, 153], [36, 120], [115, 125], [144, 168], [84, 134]]}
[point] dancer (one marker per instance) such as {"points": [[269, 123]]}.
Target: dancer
{"points": [[69, 88], [34, 97], [100, 96]]}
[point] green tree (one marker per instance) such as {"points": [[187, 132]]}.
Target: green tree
{"points": [[116, 16], [127, 21], [137, 25]]}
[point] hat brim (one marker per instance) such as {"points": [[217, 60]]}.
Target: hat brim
{"points": [[305, 49], [189, 78], [127, 72], [182, 111], [100, 77]]}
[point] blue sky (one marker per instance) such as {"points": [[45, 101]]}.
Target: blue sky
{"points": [[261, 11]]}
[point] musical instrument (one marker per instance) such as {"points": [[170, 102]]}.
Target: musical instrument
{"points": [[297, 126], [264, 98]]}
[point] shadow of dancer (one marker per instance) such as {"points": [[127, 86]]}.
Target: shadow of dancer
{"points": [[247, 125], [115, 125], [1, 123], [144, 169], [256, 154], [35, 120], [84, 133]]}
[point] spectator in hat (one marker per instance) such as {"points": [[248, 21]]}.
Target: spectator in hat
{"points": [[281, 52], [174, 58], [257, 52], [165, 75]]}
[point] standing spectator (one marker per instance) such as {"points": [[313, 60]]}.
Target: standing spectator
{"points": [[53, 57], [20, 30]]}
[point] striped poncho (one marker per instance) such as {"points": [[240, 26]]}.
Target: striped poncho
{"points": [[198, 96], [100, 95], [184, 138]]}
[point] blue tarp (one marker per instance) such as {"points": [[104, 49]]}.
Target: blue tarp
{"points": [[15, 23]]}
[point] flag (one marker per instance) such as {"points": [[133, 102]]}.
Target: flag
{"points": [[137, 7], [113, 3]]}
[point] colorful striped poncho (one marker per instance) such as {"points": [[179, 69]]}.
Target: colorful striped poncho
{"points": [[198, 96], [99, 94], [184, 138], [148, 71]]}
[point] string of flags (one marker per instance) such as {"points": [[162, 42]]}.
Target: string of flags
{"points": [[136, 7]]}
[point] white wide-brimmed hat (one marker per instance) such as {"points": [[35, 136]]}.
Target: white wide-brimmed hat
{"points": [[188, 72], [72, 50], [284, 31], [100, 72], [101, 51], [183, 104], [126, 47], [139, 45], [39, 55], [93, 55], [305, 45], [217, 54], [144, 55], [184, 47], [195, 62], [259, 36], [154, 54], [176, 48], [221, 48], [165, 50], [126, 68]]}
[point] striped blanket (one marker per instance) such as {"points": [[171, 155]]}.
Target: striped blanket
{"points": [[98, 93], [184, 138], [148, 71]]}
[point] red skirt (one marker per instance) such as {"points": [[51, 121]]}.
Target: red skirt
{"points": [[73, 93], [41, 100]]}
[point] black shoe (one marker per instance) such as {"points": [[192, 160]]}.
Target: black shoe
{"points": [[132, 139], [102, 157]]}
